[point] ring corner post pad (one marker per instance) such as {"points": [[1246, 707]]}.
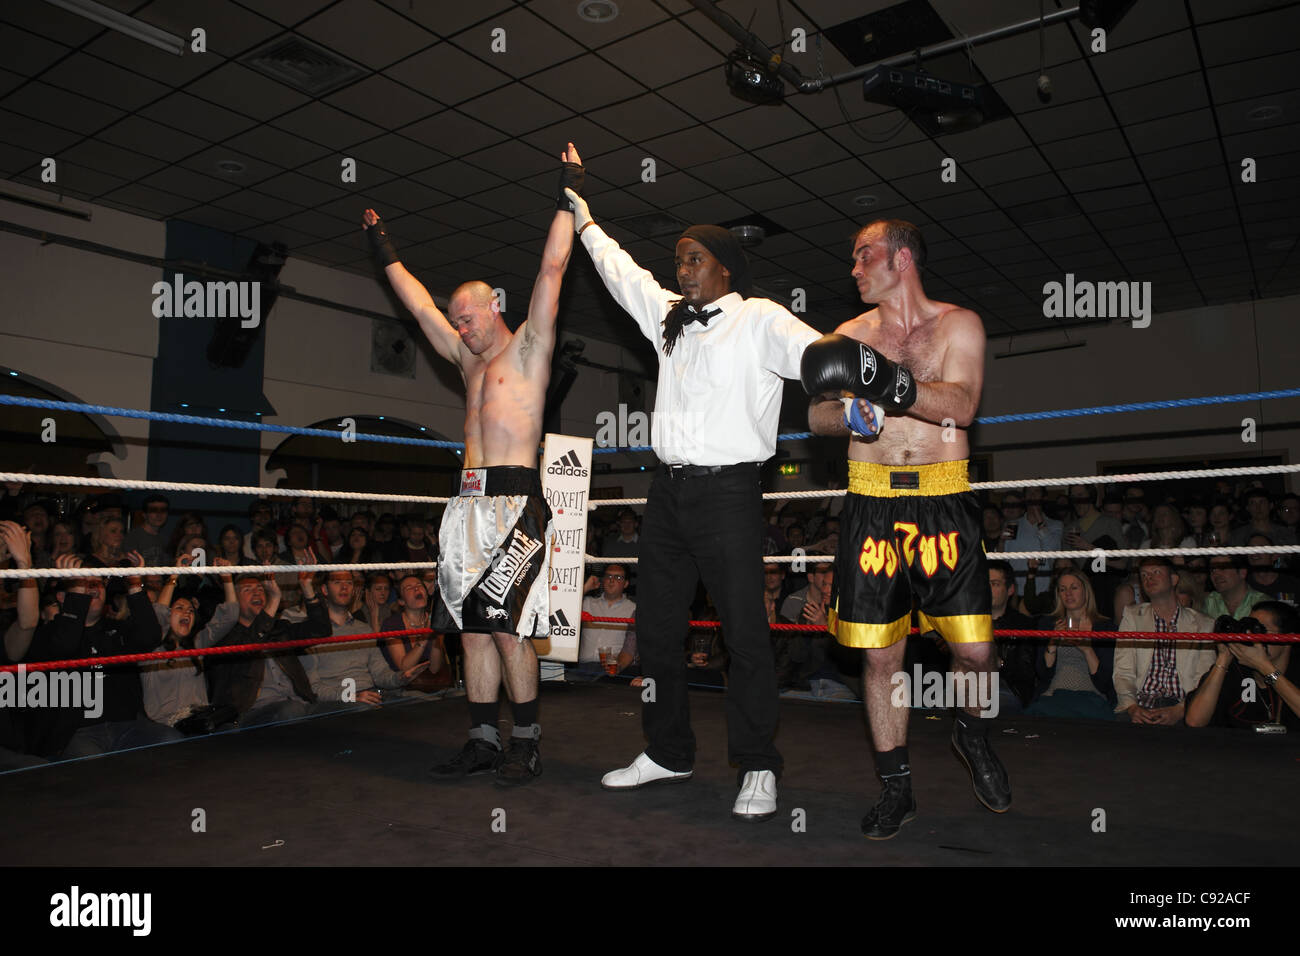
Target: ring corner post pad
{"points": [[566, 484]]}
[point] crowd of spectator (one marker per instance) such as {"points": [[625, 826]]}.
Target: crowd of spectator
{"points": [[87, 617], [1157, 681]]}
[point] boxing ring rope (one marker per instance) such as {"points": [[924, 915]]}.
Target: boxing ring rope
{"points": [[168, 571], [155, 656], [24, 401], [255, 490]]}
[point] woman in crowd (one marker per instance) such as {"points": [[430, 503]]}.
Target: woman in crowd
{"points": [[1075, 672], [1168, 530], [356, 548], [1219, 530], [63, 540], [230, 545], [190, 524]]}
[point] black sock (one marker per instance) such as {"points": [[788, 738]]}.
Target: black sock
{"points": [[480, 714], [525, 712], [893, 763]]}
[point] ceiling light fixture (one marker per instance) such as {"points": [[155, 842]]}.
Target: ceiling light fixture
{"points": [[1262, 114], [866, 199], [232, 166], [749, 236], [128, 26], [597, 11]]}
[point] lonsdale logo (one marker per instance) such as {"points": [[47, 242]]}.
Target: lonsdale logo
{"points": [[569, 464], [560, 626]]}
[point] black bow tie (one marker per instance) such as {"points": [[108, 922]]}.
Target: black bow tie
{"points": [[701, 316]]}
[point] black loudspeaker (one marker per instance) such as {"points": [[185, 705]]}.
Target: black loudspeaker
{"points": [[231, 341], [1104, 13]]}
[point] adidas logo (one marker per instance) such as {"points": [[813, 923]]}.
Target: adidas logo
{"points": [[569, 464], [560, 626]]}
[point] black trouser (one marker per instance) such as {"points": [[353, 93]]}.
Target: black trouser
{"points": [[709, 526]]}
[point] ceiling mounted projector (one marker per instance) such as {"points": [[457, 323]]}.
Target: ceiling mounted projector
{"points": [[751, 79]]}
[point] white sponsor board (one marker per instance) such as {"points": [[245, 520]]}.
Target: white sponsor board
{"points": [[566, 481]]}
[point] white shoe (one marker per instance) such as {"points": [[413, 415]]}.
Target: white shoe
{"points": [[757, 799], [642, 771]]}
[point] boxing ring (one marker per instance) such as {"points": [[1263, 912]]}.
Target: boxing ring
{"points": [[352, 787]]}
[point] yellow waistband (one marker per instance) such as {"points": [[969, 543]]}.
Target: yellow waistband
{"points": [[901, 481]]}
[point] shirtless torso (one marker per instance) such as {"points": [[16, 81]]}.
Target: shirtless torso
{"points": [[937, 349]]}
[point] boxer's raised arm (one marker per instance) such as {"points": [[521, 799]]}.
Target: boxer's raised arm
{"points": [[411, 291], [537, 335]]}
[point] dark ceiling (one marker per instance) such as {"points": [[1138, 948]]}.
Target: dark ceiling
{"points": [[1131, 172]]}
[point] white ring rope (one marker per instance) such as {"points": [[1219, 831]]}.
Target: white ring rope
{"points": [[1025, 482], [131, 484], [1042, 555], [235, 569], [239, 569]]}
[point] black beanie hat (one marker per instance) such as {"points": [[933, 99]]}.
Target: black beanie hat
{"points": [[726, 249]]}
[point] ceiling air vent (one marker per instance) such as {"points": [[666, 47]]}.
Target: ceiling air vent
{"points": [[303, 65]]}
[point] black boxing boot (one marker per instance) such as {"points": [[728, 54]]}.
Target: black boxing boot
{"points": [[970, 741], [896, 805]]}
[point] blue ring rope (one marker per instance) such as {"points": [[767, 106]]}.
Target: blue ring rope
{"points": [[433, 443], [218, 422]]}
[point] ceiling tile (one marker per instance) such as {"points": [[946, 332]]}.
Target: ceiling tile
{"points": [[383, 102], [531, 44], [642, 55], [458, 178], [1064, 122], [563, 15], [394, 153], [385, 39], [27, 53], [89, 76], [447, 74], [197, 117], [585, 83], [153, 139], [814, 150], [516, 108], [1244, 38], [446, 19], [690, 147], [42, 101], [643, 118], [323, 124], [153, 203]]}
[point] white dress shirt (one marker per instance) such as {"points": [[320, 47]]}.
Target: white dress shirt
{"points": [[719, 392]]}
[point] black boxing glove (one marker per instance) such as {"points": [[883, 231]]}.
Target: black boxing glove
{"points": [[571, 175], [381, 246], [837, 363]]}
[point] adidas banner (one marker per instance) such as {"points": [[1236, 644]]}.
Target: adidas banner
{"points": [[566, 480]]}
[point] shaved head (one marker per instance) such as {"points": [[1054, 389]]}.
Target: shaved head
{"points": [[475, 294]]}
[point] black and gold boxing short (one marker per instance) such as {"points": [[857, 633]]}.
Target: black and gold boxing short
{"points": [[904, 533]]}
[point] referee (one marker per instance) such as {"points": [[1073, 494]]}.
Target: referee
{"points": [[722, 357]]}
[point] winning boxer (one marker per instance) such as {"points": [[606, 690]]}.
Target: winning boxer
{"points": [[492, 575], [903, 382]]}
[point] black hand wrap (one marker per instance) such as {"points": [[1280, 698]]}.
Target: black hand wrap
{"points": [[381, 247], [572, 176], [837, 363]]}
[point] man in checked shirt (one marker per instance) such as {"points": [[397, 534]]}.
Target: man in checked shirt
{"points": [[1153, 678]]}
